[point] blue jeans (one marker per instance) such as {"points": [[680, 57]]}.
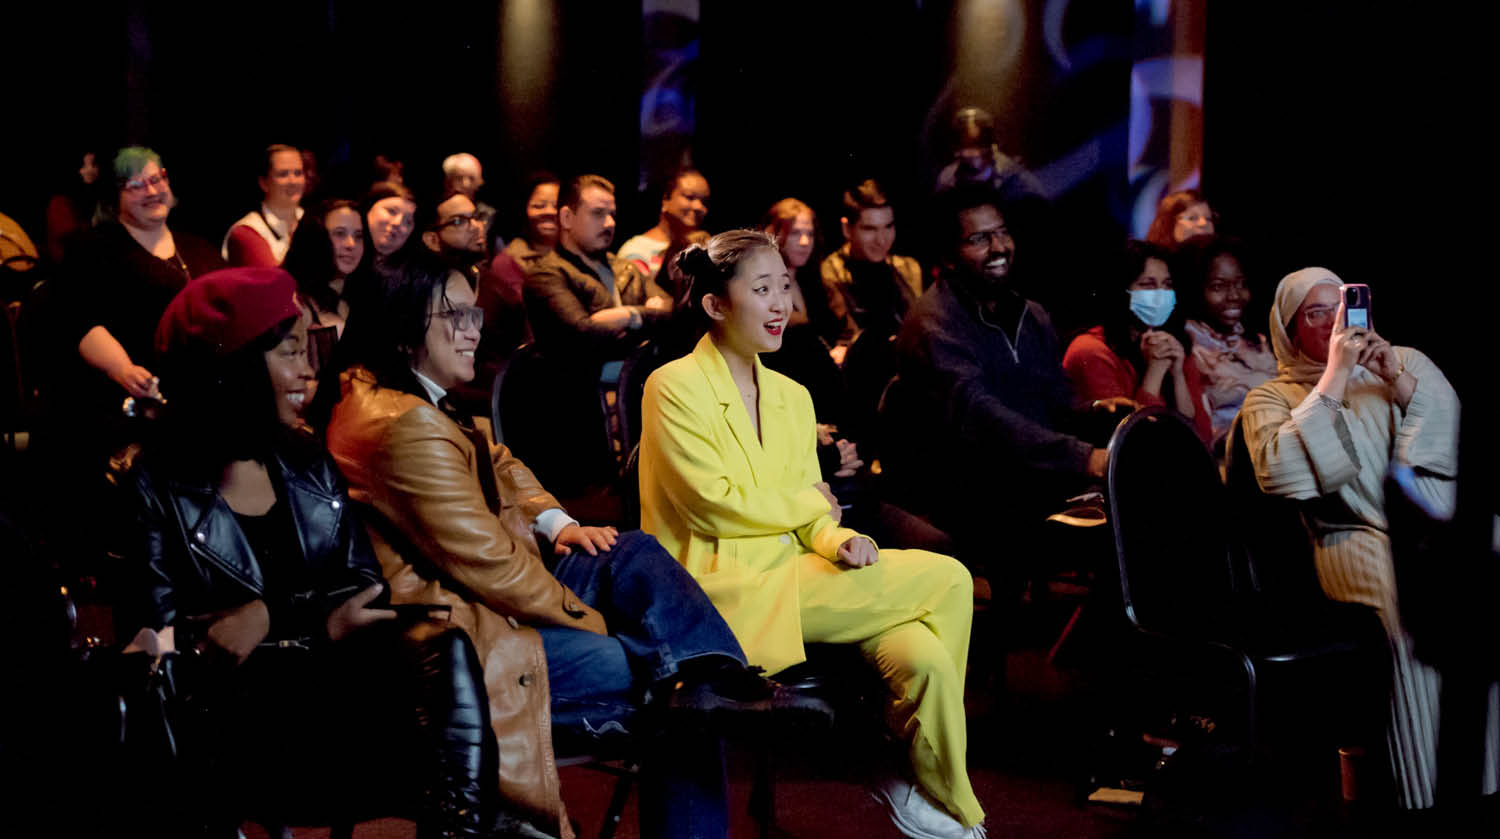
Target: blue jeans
{"points": [[658, 618]]}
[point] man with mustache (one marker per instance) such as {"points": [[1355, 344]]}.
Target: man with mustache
{"points": [[982, 402]]}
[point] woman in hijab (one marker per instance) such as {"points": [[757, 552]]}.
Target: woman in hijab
{"points": [[1343, 405]]}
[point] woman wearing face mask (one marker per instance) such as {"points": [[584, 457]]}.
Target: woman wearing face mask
{"points": [[1343, 405], [262, 237], [1134, 353], [1215, 296], [326, 258], [730, 485]]}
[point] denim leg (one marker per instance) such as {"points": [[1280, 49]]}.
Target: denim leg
{"points": [[653, 606], [593, 690]]}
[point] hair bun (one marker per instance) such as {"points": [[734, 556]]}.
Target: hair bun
{"points": [[695, 263]]}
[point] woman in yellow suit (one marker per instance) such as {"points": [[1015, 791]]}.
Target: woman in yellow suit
{"points": [[730, 486]]}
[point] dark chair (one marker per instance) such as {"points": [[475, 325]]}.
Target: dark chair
{"points": [[1193, 622], [869, 365], [630, 387]]}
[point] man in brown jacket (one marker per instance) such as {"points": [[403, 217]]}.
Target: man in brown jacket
{"points": [[585, 633]]}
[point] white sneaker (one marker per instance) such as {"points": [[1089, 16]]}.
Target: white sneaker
{"points": [[916, 815]]}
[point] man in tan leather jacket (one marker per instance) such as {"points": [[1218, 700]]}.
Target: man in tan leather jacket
{"points": [[579, 635]]}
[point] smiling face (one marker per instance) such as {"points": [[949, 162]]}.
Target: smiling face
{"points": [[1225, 293], [284, 182], [1154, 274], [985, 247], [872, 234], [1196, 220], [590, 228], [798, 247], [291, 375], [759, 301], [541, 215], [347, 235], [687, 205], [1313, 324], [458, 229], [390, 221], [145, 205], [447, 356]]}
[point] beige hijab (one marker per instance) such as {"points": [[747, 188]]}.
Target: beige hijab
{"points": [[1292, 364]]}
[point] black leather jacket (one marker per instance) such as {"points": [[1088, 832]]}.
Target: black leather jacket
{"points": [[188, 555]]}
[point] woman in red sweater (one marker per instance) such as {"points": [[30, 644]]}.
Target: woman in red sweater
{"points": [[1135, 353]]}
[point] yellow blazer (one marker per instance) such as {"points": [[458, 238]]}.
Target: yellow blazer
{"points": [[736, 510]]}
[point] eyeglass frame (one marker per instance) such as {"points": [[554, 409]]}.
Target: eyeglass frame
{"points": [[459, 316], [999, 234], [456, 221], [138, 183], [1330, 312]]}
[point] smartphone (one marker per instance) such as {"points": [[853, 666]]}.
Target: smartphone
{"points": [[1356, 305]]}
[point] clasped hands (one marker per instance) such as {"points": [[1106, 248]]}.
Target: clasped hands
{"points": [[856, 552]]}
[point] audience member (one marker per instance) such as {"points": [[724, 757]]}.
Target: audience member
{"points": [[457, 519], [1135, 353], [389, 209], [583, 300], [868, 287], [120, 277], [1179, 217], [387, 170], [325, 258], [539, 234], [731, 486], [978, 161], [453, 231], [262, 236], [1345, 403], [1215, 295], [245, 550], [983, 399], [74, 208], [311, 192], [684, 205], [462, 173]]}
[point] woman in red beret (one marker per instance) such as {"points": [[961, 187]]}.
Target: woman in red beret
{"points": [[302, 697]]}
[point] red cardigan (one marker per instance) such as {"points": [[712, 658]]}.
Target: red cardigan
{"points": [[1096, 372]]}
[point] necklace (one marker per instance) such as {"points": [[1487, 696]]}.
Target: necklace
{"points": [[182, 263]]}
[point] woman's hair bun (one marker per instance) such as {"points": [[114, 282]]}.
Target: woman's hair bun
{"points": [[695, 263]]}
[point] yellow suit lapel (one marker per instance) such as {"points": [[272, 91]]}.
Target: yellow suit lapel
{"points": [[735, 415]]}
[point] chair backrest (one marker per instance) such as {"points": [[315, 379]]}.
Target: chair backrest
{"points": [[514, 384], [630, 389], [869, 364], [1167, 508], [1276, 550]]}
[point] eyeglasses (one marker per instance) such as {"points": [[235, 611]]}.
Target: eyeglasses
{"points": [[999, 236], [138, 184], [462, 317], [458, 222], [1318, 316]]}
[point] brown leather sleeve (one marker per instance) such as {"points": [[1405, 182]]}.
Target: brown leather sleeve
{"points": [[517, 482], [426, 485]]}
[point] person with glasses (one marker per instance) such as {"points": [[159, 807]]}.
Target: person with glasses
{"points": [[579, 627], [262, 237], [1344, 405], [867, 286], [1215, 295], [454, 230], [982, 423], [1181, 216], [463, 173]]}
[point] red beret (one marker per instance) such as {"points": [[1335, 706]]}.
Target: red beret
{"points": [[224, 310]]}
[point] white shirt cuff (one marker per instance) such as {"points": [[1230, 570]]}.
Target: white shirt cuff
{"points": [[551, 522]]}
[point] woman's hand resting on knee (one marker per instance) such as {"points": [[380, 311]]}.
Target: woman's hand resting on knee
{"points": [[858, 552]]}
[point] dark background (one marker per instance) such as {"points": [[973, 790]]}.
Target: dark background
{"points": [[1338, 133]]}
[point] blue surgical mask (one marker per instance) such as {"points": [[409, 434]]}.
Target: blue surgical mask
{"points": [[1152, 305]]}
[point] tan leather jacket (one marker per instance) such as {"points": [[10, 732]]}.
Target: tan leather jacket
{"points": [[445, 534]]}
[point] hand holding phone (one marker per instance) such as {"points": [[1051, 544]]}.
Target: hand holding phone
{"points": [[1356, 299]]}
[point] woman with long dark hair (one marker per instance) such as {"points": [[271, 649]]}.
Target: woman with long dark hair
{"points": [[328, 260], [1136, 352], [304, 695]]}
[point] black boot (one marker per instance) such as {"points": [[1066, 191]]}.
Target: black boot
{"points": [[724, 697]]}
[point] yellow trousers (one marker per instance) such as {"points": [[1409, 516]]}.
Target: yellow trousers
{"points": [[910, 613]]}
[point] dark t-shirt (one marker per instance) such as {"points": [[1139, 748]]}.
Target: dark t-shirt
{"points": [[113, 282]]}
